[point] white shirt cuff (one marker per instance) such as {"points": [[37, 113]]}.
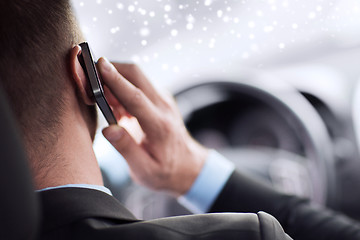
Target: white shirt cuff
{"points": [[208, 185]]}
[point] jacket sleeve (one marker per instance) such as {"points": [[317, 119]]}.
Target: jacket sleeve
{"points": [[299, 218]]}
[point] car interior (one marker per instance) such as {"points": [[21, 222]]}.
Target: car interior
{"points": [[274, 87]]}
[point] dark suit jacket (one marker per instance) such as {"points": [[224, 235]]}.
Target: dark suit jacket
{"points": [[77, 213], [299, 218]]}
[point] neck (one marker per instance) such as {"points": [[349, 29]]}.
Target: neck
{"points": [[73, 160]]}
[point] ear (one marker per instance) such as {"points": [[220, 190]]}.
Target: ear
{"points": [[79, 77]]}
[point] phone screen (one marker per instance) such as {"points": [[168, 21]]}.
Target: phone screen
{"points": [[91, 73]]}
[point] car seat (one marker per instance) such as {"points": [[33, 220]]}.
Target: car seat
{"points": [[19, 209]]}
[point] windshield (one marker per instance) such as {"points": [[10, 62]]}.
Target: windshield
{"points": [[169, 37]]}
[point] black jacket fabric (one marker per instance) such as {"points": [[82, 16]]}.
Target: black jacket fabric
{"points": [[77, 213], [299, 218]]}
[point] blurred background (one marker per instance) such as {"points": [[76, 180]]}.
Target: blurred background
{"points": [[166, 37], [273, 85]]}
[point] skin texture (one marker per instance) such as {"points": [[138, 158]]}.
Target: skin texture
{"points": [[72, 159], [159, 150]]}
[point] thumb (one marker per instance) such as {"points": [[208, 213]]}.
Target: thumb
{"points": [[136, 157], [116, 135]]}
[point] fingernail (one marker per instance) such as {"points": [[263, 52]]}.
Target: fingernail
{"points": [[113, 133], [107, 66]]}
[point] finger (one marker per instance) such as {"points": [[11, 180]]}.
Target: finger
{"points": [[118, 110], [133, 128], [134, 74], [131, 97], [110, 97], [119, 113], [134, 154]]}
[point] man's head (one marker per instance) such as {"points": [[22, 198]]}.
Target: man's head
{"points": [[36, 44]]}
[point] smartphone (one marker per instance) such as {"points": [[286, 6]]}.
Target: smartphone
{"points": [[92, 75]]}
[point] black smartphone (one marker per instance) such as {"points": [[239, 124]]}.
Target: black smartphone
{"points": [[92, 75]]}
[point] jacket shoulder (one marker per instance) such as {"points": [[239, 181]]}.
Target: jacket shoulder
{"points": [[224, 226], [75, 213]]}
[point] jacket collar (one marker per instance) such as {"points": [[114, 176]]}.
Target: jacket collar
{"points": [[66, 205]]}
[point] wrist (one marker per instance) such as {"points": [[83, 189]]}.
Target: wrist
{"points": [[209, 183], [194, 163]]}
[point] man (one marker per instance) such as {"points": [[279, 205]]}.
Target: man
{"points": [[49, 94]]}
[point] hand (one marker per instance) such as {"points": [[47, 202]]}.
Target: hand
{"points": [[163, 156]]}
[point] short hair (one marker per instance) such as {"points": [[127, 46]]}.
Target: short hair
{"points": [[35, 39]]}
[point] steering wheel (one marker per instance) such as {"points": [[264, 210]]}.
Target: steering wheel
{"points": [[267, 127], [293, 151]]}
